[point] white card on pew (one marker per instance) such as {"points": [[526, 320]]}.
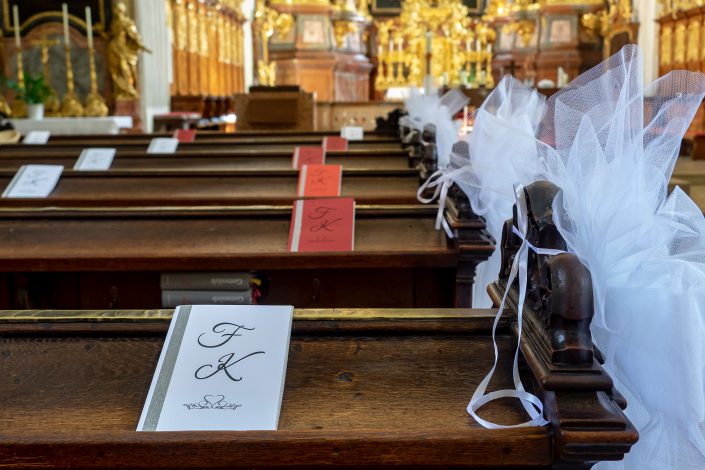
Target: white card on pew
{"points": [[352, 132], [163, 145], [36, 137], [222, 367], [95, 159], [33, 181]]}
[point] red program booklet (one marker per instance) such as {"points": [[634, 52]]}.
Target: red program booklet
{"points": [[320, 180], [323, 225], [335, 144], [304, 155], [185, 135]]}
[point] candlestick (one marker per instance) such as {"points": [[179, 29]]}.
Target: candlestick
{"points": [[70, 105], [65, 17], [95, 104], [89, 27], [16, 21]]}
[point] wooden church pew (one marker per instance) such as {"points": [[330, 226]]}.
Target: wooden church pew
{"points": [[369, 136], [208, 160], [373, 387], [191, 187], [111, 257], [258, 146], [137, 141]]}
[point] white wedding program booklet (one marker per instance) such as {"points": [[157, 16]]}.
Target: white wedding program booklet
{"points": [[95, 159], [222, 367], [163, 145], [33, 181]]}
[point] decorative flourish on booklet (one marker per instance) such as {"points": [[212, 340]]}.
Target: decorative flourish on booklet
{"points": [[212, 402]]}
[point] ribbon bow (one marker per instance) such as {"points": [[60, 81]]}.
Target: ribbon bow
{"points": [[442, 182], [530, 402]]}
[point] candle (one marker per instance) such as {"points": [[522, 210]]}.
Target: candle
{"points": [[429, 39], [16, 20], [89, 27], [401, 41], [65, 13], [489, 49], [468, 45], [478, 47], [391, 45]]}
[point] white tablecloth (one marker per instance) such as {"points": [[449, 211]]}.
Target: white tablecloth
{"points": [[76, 126]]}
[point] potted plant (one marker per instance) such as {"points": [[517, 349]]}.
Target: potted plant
{"points": [[34, 94]]}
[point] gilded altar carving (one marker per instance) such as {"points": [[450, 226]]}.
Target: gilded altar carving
{"points": [[666, 45], [266, 21], [192, 29], [124, 47], [692, 52], [181, 26], [679, 44]]}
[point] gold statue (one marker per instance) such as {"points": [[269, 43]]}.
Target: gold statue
{"points": [[52, 105], [124, 47], [268, 20]]}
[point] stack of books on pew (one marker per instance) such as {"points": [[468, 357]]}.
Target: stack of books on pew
{"points": [[208, 288]]}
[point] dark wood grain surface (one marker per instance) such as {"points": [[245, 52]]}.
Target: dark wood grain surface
{"points": [[355, 399], [208, 161], [228, 239], [281, 145], [124, 188]]}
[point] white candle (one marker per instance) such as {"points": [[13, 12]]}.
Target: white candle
{"points": [[489, 49], [16, 20], [401, 41], [478, 47], [65, 12], [89, 27], [391, 45], [429, 39], [468, 46]]}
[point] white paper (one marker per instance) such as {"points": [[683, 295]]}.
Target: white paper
{"points": [[36, 137], [222, 367], [352, 132], [163, 145], [95, 159], [33, 181]]}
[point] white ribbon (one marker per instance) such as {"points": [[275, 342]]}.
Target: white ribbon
{"points": [[410, 135], [530, 402], [442, 183]]}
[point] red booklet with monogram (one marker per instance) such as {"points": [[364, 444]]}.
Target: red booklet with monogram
{"points": [[304, 155], [323, 225], [185, 135], [335, 144], [320, 180]]}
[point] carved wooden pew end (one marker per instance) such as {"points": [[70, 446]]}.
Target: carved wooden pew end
{"points": [[578, 395]]}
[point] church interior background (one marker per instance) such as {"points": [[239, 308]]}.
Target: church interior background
{"points": [[356, 58]]}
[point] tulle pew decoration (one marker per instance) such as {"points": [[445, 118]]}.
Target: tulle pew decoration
{"points": [[610, 144], [439, 111]]}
